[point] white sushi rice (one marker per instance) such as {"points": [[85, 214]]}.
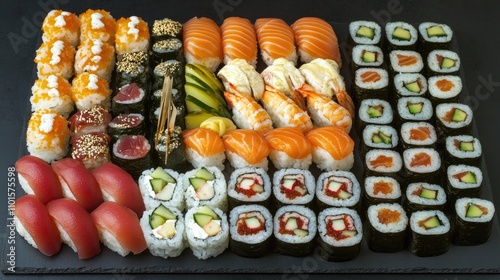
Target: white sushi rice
{"points": [[66, 190], [380, 84], [424, 115], [372, 129], [457, 169], [434, 64], [410, 154], [256, 210], [282, 160], [324, 160], [370, 182], [110, 241], [357, 55], [413, 68], [212, 63], [59, 101], [197, 160], [354, 27], [334, 212], [204, 248], [407, 127], [397, 162], [231, 188], [440, 197], [444, 108], [437, 93], [238, 162], [399, 226], [219, 200], [422, 28], [387, 115], [131, 45], [164, 247], [309, 184], [25, 185], [24, 233], [340, 176], [87, 60], [292, 57], [401, 79], [419, 216], [391, 26], [456, 152], [301, 212], [461, 209], [148, 195]]}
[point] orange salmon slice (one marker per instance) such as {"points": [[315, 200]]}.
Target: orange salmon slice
{"points": [[382, 187], [387, 216], [382, 160], [370, 76], [420, 133], [445, 85], [421, 159], [406, 60]]}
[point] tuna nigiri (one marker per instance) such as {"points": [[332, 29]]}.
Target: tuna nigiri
{"points": [[203, 42], [332, 148], [76, 227], [37, 177], [204, 147], [289, 148], [239, 40], [316, 39], [275, 40], [119, 228], [34, 223], [245, 148]]}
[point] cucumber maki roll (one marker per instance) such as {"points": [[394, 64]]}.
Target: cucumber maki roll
{"points": [[294, 230], [453, 119], [380, 189], [444, 89], [424, 196], [378, 137], [409, 85], [418, 135], [249, 185], [340, 234], [205, 186], [443, 62], [434, 36], [176, 150], [133, 68], [162, 186], [380, 162], [126, 124], [165, 29], [463, 149], [366, 56], [463, 181], [405, 62], [133, 154], [400, 35], [473, 221], [374, 111], [422, 164], [415, 109], [387, 228], [364, 32], [173, 68], [251, 228], [163, 229], [167, 49], [337, 189], [293, 186], [371, 83], [430, 233], [129, 99]]}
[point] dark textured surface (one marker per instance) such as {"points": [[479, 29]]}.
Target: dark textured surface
{"points": [[473, 23]]}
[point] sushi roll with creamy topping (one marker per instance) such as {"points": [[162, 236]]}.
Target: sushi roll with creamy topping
{"points": [[364, 32], [401, 35], [337, 189], [97, 24], [463, 149], [132, 35], [61, 25], [52, 92], [473, 221], [205, 186], [424, 196], [249, 185], [95, 56], [293, 186], [55, 57], [294, 229], [387, 225], [162, 186], [88, 89], [430, 233]]}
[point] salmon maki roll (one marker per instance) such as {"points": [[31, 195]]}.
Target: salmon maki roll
{"points": [[203, 42], [289, 148], [316, 38], [239, 40], [246, 148], [204, 147], [332, 148], [276, 40]]}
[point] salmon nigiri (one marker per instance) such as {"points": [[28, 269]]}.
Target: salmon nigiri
{"points": [[316, 39], [289, 148], [332, 148], [245, 147], [276, 40], [202, 42], [204, 147], [239, 40]]}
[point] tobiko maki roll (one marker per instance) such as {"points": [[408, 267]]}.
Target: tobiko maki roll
{"points": [[294, 229], [61, 25], [430, 233], [88, 90], [337, 189], [132, 35], [97, 24], [424, 196], [95, 56], [162, 186], [55, 57], [387, 228], [249, 185], [293, 186], [52, 92], [473, 221]]}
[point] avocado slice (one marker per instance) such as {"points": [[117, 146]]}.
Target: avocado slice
{"points": [[401, 34], [413, 86], [156, 221], [163, 211], [203, 173], [459, 115], [365, 31], [376, 139], [369, 57], [432, 222], [385, 138], [375, 111], [197, 182], [157, 184], [344, 195], [473, 211], [447, 63], [428, 193], [468, 177], [467, 146], [160, 173], [415, 108], [435, 31], [205, 210], [202, 219]]}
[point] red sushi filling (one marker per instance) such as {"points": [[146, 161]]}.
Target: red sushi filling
{"points": [[250, 225], [249, 184], [293, 186], [337, 188], [129, 93], [340, 227], [290, 222]]}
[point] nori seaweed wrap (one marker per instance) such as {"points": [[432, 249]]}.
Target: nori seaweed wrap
{"points": [[173, 68], [178, 97], [294, 229], [430, 233], [473, 221], [387, 228], [176, 151], [166, 28], [133, 68], [337, 189], [463, 181], [381, 190], [129, 99], [371, 83], [133, 154], [424, 196], [168, 49], [127, 124], [249, 185]]}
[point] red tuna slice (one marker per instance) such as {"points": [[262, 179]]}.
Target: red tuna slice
{"points": [[123, 225], [129, 93], [78, 183], [71, 218], [119, 186], [94, 119], [126, 120], [34, 217], [131, 147], [37, 177]]}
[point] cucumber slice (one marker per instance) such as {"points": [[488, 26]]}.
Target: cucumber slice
{"points": [[156, 221], [375, 111], [447, 63], [467, 146], [197, 182], [427, 193], [163, 211], [473, 211], [401, 34], [349, 233], [291, 224], [415, 108], [435, 31], [334, 186], [459, 115], [386, 139], [203, 96], [252, 222], [369, 57], [300, 232], [431, 222], [376, 139], [157, 184], [203, 173], [469, 178], [338, 224], [288, 183], [160, 173], [202, 219], [205, 210], [258, 188], [365, 31], [344, 195], [413, 87]]}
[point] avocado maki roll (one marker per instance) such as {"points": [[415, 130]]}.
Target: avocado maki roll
{"points": [[435, 36], [205, 186], [340, 234], [473, 221], [422, 165], [294, 229], [380, 189], [366, 56], [133, 154], [444, 89], [387, 228], [133, 68], [371, 83], [402, 61], [165, 29], [463, 181], [378, 137], [293, 186], [374, 111], [415, 109], [251, 228], [380, 162], [249, 185], [176, 150], [126, 124], [418, 135], [453, 119], [443, 62], [424, 196], [409, 85], [173, 68], [162, 186], [463, 149], [400, 35], [167, 49], [337, 189], [364, 32], [430, 233]]}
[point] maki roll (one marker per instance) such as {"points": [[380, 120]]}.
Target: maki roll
{"points": [[294, 230], [93, 119], [378, 137], [340, 234], [207, 231], [418, 135], [380, 162], [164, 230], [95, 56], [400, 35], [366, 56], [88, 90], [374, 111], [444, 89], [371, 83], [176, 150], [337, 189], [415, 109], [55, 57], [387, 228], [405, 62], [92, 149], [97, 24], [430, 233], [409, 84], [443, 62], [435, 36], [364, 32], [133, 68], [162, 186], [167, 49], [453, 119], [165, 29], [463, 149], [179, 117], [424, 196], [61, 25], [129, 99], [473, 221], [422, 165], [205, 186], [463, 181], [126, 124], [251, 228], [132, 35], [173, 68], [293, 186], [133, 154], [52, 92], [249, 185], [178, 96], [380, 189]]}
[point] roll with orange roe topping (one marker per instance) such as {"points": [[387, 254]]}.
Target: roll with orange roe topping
{"points": [[61, 25], [97, 24], [132, 35], [52, 92], [55, 57], [97, 57], [88, 90]]}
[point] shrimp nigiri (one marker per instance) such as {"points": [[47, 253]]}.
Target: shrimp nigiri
{"points": [[203, 42], [276, 40], [239, 40]]}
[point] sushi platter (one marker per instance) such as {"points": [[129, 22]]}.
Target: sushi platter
{"points": [[178, 158]]}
